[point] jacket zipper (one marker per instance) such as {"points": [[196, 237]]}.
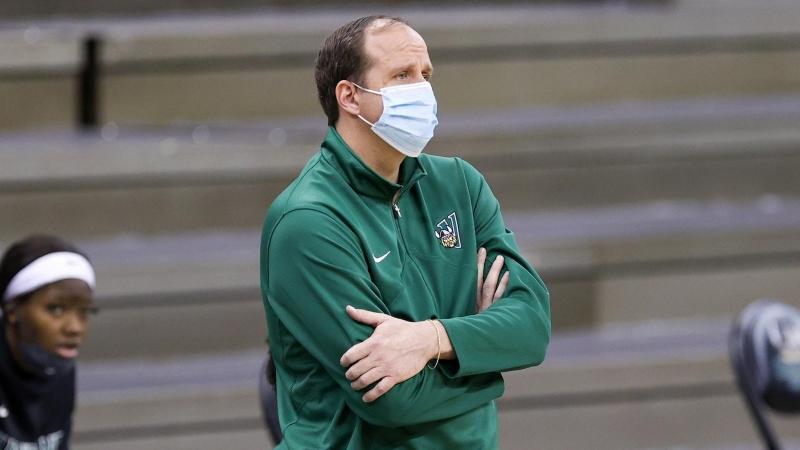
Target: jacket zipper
{"points": [[397, 216], [395, 206], [396, 210]]}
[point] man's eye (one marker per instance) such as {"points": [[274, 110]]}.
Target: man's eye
{"points": [[402, 75]]}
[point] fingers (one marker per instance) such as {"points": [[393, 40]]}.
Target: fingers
{"points": [[490, 283], [366, 375], [501, 288], [370, 318], [354, 354], [486, 301], [359, 368], [478, 291], [369, 377], [381, 388]]}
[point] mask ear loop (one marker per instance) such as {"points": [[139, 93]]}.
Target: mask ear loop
{"points": [[365, 120], [367, 90], [371, 92]]}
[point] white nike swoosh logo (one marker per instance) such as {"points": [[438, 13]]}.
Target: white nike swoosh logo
{"points": [[378, 259]]}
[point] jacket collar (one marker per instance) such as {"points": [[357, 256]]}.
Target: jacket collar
{"points": [[361, 177]]}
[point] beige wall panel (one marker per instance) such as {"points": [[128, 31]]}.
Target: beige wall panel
{"points": [[571, 303], [582, 375], [31, 104], [176, 331], [245, 439], [286, 93], [210, 96], [698, 293], [717, 422], [91, 214], [577, 81], [178, 408], [602, 185]]}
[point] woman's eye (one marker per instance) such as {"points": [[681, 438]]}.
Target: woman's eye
{"points": [[402, 75], [89, 311], [55, 309]]}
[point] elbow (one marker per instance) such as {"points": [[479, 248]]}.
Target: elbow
{"points": [[538, 348], [534, 353], [534, 350], [539, 338]]}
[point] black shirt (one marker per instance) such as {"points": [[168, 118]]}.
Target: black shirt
{"points": [[35, 410]]}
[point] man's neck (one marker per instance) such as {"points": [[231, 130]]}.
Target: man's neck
{"points": [[374, 151]]}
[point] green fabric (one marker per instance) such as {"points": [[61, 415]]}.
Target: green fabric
{"points": [[321, 250]]}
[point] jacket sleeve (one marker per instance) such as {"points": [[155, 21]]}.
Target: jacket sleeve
{"points": [[514, 332], [315, 267]]}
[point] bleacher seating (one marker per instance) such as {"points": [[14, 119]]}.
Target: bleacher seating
{"points": [[645, 156], [256, 66]]}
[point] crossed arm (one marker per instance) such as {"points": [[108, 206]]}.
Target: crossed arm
{"points": [[307, 284], [509, 334], [399, 349]]}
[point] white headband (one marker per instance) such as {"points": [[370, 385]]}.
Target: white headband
{"points": [[48, 269]]}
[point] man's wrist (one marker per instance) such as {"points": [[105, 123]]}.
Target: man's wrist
{"points": [[445, 347], [436, 350]]}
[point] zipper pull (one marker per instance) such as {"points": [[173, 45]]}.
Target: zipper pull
{"points": [[396, 210]]}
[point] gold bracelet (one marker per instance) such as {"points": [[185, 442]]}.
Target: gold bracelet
{"points": [[438, 346]]}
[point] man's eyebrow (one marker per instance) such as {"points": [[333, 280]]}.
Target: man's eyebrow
{"points": [[407, 66], [401, 67]]}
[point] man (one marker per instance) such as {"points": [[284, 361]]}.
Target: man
{"points": [[369, 274]]}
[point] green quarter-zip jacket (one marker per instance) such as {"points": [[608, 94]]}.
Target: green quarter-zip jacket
{"points": [[340, 234]]}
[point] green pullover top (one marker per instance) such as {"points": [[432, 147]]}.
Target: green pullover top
{"points": [[340, 234]]}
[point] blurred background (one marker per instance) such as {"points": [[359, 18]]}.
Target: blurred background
{"points": [[646, 154]]}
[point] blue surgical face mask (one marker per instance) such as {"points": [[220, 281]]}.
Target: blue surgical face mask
{"points": [[409, 116]]}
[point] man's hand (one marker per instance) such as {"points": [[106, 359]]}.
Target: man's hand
{"points": [[396, 351], [489, 289]]}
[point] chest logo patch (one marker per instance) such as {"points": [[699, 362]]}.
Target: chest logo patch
{"points": [[446, 232]]}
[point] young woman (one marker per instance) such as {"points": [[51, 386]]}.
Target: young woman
{"points": [[46, 294]]}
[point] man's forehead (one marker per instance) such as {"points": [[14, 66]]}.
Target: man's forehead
{"points": [[385, 38], [386, 24]]}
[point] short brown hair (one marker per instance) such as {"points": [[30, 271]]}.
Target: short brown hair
{"points": [[342, 57]]}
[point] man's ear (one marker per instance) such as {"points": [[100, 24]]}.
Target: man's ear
{"points": [[346, 93]]}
